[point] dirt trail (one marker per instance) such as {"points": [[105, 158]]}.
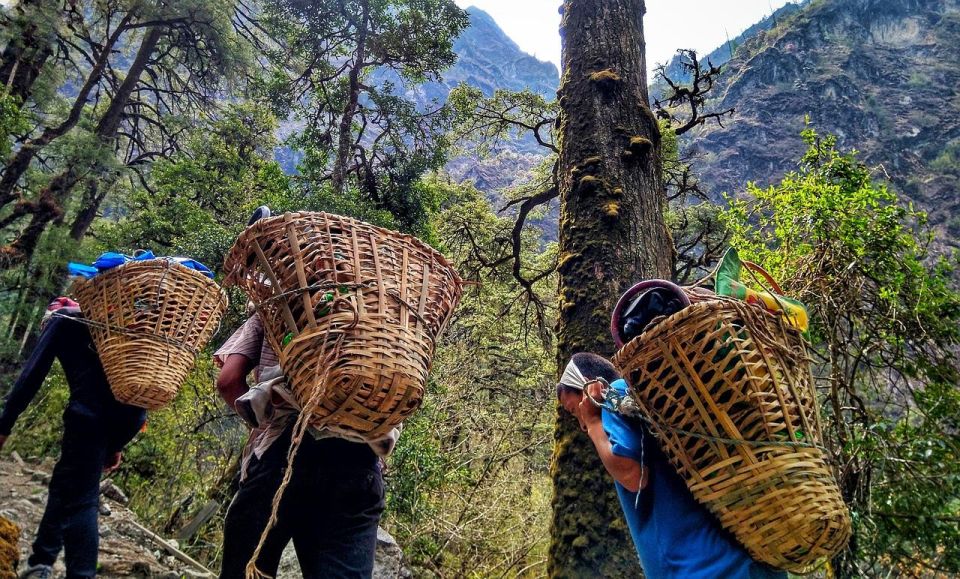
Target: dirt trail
{"points": [[125, 550]]}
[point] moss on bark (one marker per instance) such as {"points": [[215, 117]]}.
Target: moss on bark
{"points": [[612, 234]]}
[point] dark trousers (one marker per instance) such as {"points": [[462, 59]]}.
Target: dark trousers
{"points": [[70, 519], [330, 509]]}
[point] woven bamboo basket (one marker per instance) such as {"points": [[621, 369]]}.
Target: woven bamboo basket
{"points": [[353, 310], [149, 320], [727, 389]]}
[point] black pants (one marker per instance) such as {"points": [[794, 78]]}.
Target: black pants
{"points": [[70, 519], [331, 510]]}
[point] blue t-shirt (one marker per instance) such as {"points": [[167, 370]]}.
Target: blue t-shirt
{"points": [[675, 536]]}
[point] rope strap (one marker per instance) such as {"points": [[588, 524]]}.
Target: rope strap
{"points": [[625, 405], [129, 332]]}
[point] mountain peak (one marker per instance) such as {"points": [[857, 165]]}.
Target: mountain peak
{"points": [[490, 60]]}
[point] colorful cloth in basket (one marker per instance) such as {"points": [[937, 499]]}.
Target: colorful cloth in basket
{"points": [[728, 284]]}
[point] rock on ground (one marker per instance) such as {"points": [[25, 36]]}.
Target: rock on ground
{"points": [[387, 565], [125, 551]]}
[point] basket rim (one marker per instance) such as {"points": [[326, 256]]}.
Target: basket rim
{"points": [[233, 256], [156, 263], [672, 322]]}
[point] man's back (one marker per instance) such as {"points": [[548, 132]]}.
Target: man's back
{"points": [[67, 339]]}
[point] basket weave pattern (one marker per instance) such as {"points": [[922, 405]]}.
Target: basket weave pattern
{"points": [[361, 303], [738, 379], [149, 320]]}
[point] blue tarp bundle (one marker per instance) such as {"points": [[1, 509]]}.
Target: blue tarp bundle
{"points": [[111, 259]]}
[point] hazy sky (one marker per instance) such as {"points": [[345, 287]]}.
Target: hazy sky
{"points": [[669, 24]]}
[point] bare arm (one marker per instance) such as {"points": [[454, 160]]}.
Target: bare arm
{"points": [[232, 381], [625, 471]]}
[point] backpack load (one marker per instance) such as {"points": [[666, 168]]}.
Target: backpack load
{"points": [[352, 310], [727, 389], [149, 319]]}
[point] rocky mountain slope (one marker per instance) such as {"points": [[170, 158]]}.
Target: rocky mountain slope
{"points": [[487, 59], [883, 75], [490, 60], [722, 54]]}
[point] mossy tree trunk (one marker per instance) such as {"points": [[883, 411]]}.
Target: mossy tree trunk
{"points": [[612, 234]]}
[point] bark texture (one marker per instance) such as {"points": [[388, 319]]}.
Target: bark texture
{"points": [[345, 137], [612, 234]]}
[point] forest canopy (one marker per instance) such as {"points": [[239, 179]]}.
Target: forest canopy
{"points": [[142, 124]]}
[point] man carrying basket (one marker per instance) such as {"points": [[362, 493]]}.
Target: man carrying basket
{"points": [[332, 507], [95, 429], [674, 535]]}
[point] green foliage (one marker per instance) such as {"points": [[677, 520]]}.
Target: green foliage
{"points": [[948, 161], [40, 427], [484, 123], [359, 124], [12, 121], [199, 200], [886, 327], [468, 484], [183, 454]]}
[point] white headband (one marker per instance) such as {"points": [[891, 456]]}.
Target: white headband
{"points": [[572, 377]]}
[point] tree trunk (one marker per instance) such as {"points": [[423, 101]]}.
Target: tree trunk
{"points": [[25, 54], [89, 208], [612, 234], [345, 136], [20, 68], [51, 199]]}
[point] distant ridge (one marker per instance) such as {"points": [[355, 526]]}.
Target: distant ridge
{"points": [[883, 75]]}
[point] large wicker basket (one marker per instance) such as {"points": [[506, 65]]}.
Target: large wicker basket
{"points": [[353, 311], [149, 320], [727, 389]]}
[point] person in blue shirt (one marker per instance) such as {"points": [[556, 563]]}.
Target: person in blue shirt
{"points": [[675, 536]]}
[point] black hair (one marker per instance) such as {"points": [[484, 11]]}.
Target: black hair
{"points": [[595, 366], [591, 366]]}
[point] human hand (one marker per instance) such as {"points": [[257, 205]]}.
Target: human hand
{"points": [[588, 412], [113, 462]]}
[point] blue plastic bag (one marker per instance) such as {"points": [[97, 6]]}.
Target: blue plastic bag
{"points": [[82, 270], [110, 260], [193, 264]]}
